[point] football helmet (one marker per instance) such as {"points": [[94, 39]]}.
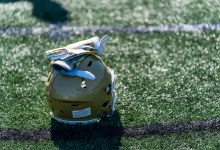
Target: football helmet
{"points": [[80, 88]]}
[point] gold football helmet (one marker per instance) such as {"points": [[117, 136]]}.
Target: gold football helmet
{"points": [[80, 88]]}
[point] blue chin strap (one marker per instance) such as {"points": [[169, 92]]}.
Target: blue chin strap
{"points": [[79, 73], [63, 68]]}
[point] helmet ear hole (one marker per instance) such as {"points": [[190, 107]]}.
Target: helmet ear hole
{"points": [[105, 104], [89, 64]]}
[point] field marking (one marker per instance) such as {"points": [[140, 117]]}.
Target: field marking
{"points": [[65, 31], [80, 132]]}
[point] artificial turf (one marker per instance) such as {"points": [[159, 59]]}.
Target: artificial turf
{"points": [[194, 140], [161, 77], [17, 145], [23, 13]]}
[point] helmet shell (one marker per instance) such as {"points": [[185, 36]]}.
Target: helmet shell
{"points": [[73, 98]]}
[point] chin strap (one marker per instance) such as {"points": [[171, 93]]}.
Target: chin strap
{"points": [[63, 68], [65, 58]]}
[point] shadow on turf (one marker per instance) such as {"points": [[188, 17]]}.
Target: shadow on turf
{"points": [[46, 10], [104, 135]]}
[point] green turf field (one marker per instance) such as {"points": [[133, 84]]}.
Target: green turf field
{"points": [[200, 140], [107, 12], [161, 77]]}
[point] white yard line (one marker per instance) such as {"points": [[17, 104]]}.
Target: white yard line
{"points": [[63, 30]]}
